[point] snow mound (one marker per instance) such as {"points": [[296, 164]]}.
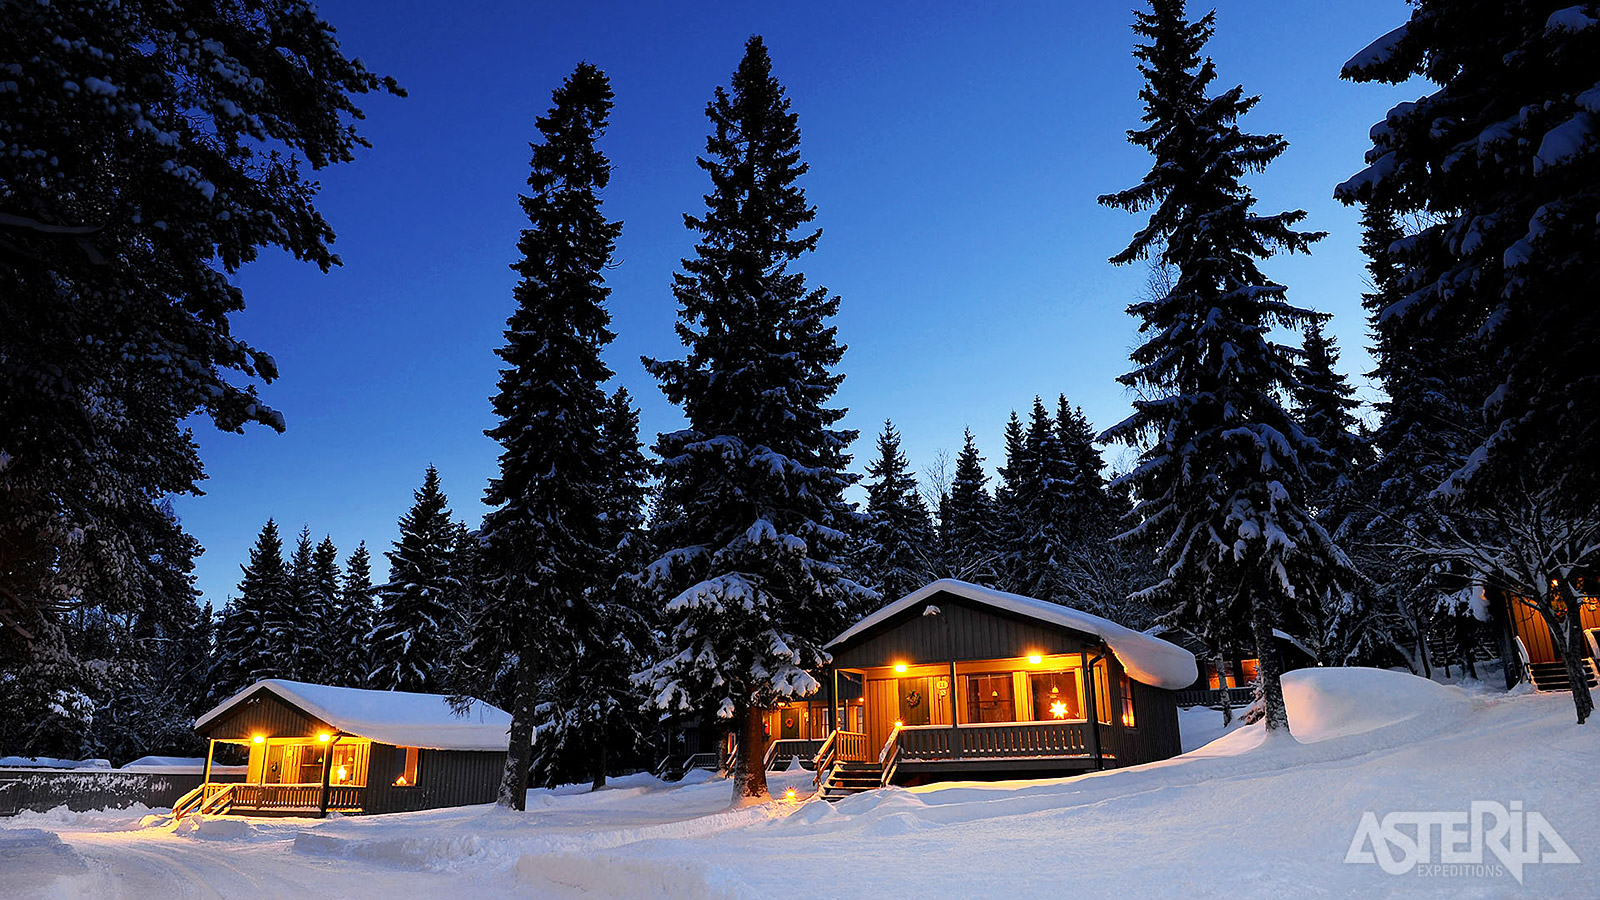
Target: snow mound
{"points": [[584, 875], [48, 762], [1329, 703], [128, 818], [215, 828], [1147, 659]]}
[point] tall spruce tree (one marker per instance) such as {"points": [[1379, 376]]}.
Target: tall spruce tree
{"points": [[900, 551], [1504, 158], [150, 152], [1221, 479], [591, 712], [416, 615], [247, 638], [353, 624], [748, 577], [544, 538], [967, 523]]}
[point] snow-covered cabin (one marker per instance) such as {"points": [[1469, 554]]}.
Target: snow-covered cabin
{"points": [[1526, 645], [314, 748], [956, 680]]}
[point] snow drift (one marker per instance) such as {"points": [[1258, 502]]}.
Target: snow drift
{"points": [[1339, 702]]}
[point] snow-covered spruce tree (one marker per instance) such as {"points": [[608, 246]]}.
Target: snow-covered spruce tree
{"points": [[416, 616], [967, 522], [898, 555], [544, 539], [591, 712], [151, 150], [1016, 485], [1101, 575], [247, 648], [1324, 404], [1221, 477], [1505, 160], [300, 628], [353, 623], [320, 646], [1049, 510], [748, 578]]}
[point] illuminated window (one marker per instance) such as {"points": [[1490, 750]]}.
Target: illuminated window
{"points": [[1227, 669], [989, 698], [1102, 693], [1126, 686], [349, 765], [408, 769], [1055, 696], [1249, 670]]}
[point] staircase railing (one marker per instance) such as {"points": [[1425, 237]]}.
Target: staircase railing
{"points": [[825, 757], [840, 746], [202, 799], [217, 802], [890, 758]]}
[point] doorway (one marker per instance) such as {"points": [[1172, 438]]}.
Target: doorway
{"points": [[914, 701]]}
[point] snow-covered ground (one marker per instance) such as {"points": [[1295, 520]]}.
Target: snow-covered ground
{"points": [[1241, 816]]}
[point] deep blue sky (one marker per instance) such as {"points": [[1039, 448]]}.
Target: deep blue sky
{"points": [[956, 152]]}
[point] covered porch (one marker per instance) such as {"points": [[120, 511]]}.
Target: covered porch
{"points": [[314, 775]]}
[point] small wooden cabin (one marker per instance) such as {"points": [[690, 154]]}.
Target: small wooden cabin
{"points": [[956, 680], [314, 748]]}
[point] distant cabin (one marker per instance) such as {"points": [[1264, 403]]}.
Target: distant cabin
{"points": [[959, 681], [315, 748], [1237, 674]]}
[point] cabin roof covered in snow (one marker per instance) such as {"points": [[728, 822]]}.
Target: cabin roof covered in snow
{"points": [[388, 717], [1146, 658]]}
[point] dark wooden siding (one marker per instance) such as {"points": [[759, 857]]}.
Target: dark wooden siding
{"points": [[961, 631], [1155, 735], [444, 778], [265, 713]]}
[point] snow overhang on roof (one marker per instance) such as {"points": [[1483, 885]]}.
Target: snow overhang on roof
{"points": [[388, 717], [1146, 658]]}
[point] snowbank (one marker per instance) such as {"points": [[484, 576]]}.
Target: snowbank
{"points": [[624, 878], [1147, 659], [47, 762], [1338, 702]]}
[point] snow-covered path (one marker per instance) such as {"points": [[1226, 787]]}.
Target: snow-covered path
{"points": [[1240, 817]]}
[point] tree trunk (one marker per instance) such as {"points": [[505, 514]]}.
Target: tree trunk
{"points": [[1567, 631], [1223, 694], [749, 776], [1270, 668], [600, 763], [514, 782]]}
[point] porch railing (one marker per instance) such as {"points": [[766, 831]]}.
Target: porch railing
{"points": [[784, 750], [1238, 697], [1021, 739], [839, 746]]}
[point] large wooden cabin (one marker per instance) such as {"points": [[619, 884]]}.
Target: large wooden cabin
{"points": [[314, 748], [960, 681]]}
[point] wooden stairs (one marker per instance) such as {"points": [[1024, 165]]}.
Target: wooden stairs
{"points": [[1552, 676], [848, 778]]}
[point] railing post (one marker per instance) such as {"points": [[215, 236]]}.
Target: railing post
{"points": [[1092, 725], [211, 750], [955, 731], [327, 769]]}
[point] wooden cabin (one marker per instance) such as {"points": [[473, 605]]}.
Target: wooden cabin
{"points": [[1528, 649], [959, 681], [315, 748], [1236, 675]]}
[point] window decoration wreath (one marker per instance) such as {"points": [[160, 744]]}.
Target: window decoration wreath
{"points": [[913, 699]]}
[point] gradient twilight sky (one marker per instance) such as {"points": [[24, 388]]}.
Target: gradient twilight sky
{"points": [[956, 151]]}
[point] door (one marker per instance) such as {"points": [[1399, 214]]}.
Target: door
{"points": [[914, 701], [788, 723], [273, 773]]}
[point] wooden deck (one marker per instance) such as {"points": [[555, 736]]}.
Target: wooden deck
{"points": [[268, 799]]}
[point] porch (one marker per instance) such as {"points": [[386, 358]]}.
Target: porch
{"points": [[222, 798]]}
